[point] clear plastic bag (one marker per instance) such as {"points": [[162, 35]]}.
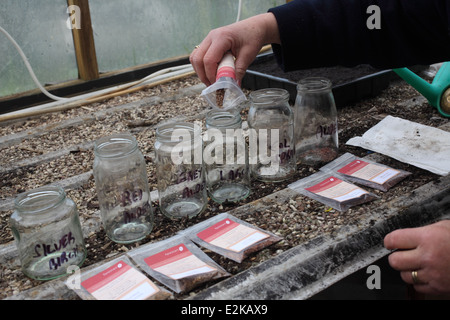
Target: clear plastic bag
{"points": [[230, 237], [332, 191], [365, 172], [117, 279], [225, 93], [177, 263]]}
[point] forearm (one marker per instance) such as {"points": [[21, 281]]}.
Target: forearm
{"points": [[270, 25]]}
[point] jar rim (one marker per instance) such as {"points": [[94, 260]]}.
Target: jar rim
{"points": [[115, 145], [164, 132], [269, 96], [223, 118], [40, 199], [313, 84]]}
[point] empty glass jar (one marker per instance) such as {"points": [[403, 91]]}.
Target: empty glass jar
{"points": [[226, 157], [316, 128], [122, 188], [271, 135], [47, 232], [179, 170]]}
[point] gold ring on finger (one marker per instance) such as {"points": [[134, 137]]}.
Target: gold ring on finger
{"points": [[415, 277]]}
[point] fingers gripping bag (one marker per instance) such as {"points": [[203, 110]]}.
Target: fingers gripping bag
{"points": [[365, 172], [177, 263], [225, 93], [230, 237], [332, 191]]}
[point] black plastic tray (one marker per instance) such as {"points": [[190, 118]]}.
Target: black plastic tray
{"points": [[345, 93]]}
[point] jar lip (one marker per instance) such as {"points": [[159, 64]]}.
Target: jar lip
{"points": [[269, 95], [223, 118], [40, 199], [313, 84], [115, 145], [164, 132]]}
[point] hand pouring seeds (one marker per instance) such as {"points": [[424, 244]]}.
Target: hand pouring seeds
{"points": [[225, 93]]}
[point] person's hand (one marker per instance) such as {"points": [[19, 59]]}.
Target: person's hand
{"points": [[426, 251], [244, 39]]}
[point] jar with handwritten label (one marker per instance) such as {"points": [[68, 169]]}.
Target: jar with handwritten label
{"points": [[179, 170], [271, 135], [47, 232], [316, 128], [122, 187], [226, 156]]}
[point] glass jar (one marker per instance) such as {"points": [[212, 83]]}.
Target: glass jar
{"points": [[179, 170], [47, 232], [316, 128], [226, 157], [271, 131], [122, 187]]}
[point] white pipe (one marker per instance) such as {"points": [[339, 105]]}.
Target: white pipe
{"points": [[61, 100], [239, 11], [159, 75], [30, 70]]}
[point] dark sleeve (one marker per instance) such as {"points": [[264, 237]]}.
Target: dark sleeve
{"points": [[320, 33]]}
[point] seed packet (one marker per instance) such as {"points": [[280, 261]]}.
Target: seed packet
{"points": [[332, 191], [117, 279], [365, 172], [177, 263], [225, 93], [230, 236]]}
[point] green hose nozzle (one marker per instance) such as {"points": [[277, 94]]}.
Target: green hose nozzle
{"points": [[437, 93]]}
